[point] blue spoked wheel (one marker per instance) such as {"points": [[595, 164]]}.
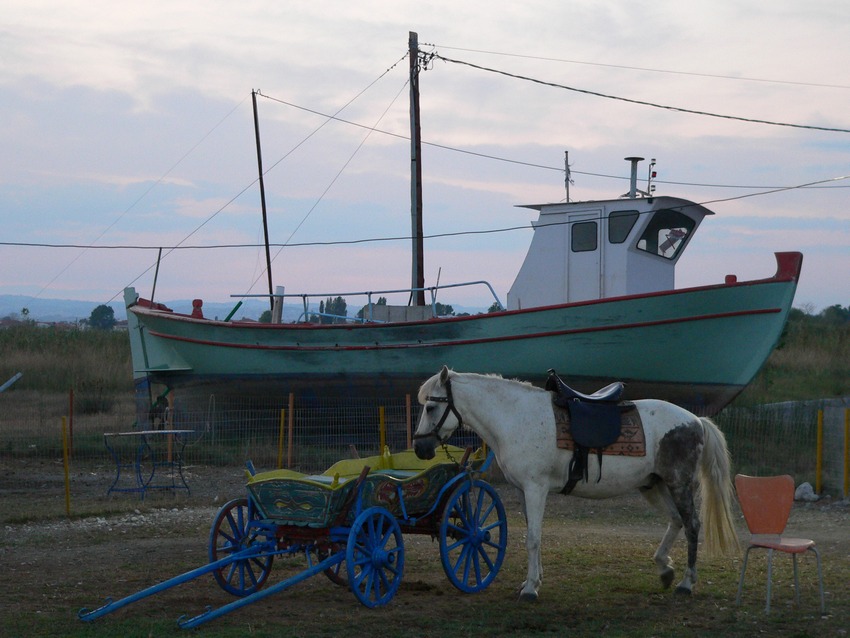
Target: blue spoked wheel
{"points": [[374, 557], [231, 533], [473, 535]]}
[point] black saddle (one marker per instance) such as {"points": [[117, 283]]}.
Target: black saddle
{"points": [[595, 422], [564, 393]]}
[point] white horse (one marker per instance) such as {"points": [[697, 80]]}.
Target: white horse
{"points": [[517, 422]]}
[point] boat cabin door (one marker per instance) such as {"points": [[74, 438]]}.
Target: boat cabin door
{"points": [[584, 256]]}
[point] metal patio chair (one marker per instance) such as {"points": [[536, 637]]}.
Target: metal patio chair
{"points": [[766, 503]]}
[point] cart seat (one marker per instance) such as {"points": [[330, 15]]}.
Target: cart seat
{"points": [[290, 497], [401, 465]]}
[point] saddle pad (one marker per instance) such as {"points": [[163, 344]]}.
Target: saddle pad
{"points": [[632, 441]]}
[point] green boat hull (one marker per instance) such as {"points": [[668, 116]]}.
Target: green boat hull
{"points": [[698, 347]]}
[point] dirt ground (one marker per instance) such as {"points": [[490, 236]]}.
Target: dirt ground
{"points": [[597, 554]]}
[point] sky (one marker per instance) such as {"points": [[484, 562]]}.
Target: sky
{"points": [[127, 127]]}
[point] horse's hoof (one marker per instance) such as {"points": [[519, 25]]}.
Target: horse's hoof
{"points": [[528, 596], [682, 591], [667, 577]]}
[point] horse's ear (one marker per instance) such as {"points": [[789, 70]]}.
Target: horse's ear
{"points": [[444, 375]]}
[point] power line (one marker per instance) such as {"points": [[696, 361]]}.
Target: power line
{"points": [[646, 69], [507, 160], [641, 102], [343, 242]]}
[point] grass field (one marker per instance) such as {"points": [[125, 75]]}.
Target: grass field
{"points": [[599, 578]]}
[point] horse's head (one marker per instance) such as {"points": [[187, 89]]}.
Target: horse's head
{"points": [[439, 418]]}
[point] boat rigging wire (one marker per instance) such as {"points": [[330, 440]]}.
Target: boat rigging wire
{"points": [[144, 194], [253, 182], [335, 178]]}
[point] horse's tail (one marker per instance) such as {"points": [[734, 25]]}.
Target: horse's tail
{"points": [[717, 493]]}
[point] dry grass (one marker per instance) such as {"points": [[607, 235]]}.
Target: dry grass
{"points": [[92, 362], [599, 578], [812, 362]]}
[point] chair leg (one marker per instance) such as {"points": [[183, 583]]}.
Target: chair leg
{"points": [[741, 579], [796, 581], [769, 579], [820, 580]]}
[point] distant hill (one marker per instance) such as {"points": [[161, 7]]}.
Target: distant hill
{"points": [[54, 310], [58, 310]]}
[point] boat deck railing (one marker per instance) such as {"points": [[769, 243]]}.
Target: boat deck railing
{"points": [[368, 314]]}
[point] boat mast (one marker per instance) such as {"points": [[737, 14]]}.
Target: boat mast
{"points": [[418, 266], [263, 201]]}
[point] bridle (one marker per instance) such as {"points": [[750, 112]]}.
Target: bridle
{"points": [[450, 407]]}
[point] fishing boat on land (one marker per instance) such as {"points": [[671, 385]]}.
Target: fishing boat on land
{"points": [[594, 299]]}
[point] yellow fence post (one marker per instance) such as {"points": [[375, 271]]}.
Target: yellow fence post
{"points": [[409, 420], [170, 426], [65, 463], [291, 424], [846, 452], [280, 435], [819, 457], [71, 423]]}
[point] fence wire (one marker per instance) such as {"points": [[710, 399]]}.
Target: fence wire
{"points": [[313, 434]]}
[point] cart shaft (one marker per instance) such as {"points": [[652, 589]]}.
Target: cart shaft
{"points": [[211, 614], [253, 551]]}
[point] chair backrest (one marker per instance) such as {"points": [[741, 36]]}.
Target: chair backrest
{"points": [[766, 502]]}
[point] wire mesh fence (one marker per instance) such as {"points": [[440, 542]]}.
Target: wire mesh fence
{"points": [[310, 435]]}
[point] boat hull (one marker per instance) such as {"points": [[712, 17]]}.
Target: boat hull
{"points": [[697, 347]]}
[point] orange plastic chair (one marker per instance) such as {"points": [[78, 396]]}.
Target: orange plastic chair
{"points": [[766, 503]]}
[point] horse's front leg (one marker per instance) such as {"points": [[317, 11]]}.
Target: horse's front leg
{"points": [[534, 501]]}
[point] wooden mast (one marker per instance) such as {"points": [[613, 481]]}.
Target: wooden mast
{"points": [[418, 266], [263, 201]]}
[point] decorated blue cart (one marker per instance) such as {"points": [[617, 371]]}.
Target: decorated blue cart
{"points": [[348, 523]]}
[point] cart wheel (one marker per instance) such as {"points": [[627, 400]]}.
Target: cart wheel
{"points": [[230, 533], [336, 574], [374, 557], [473, 536]]}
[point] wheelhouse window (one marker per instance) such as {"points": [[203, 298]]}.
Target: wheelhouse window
{"points": [[620, 224], [584, 237], [666, 233]]}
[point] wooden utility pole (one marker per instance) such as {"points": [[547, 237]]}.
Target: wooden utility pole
{"points": [[418, 266]]}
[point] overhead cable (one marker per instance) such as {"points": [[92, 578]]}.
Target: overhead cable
{"points": [[738, 78], [677, 109]]}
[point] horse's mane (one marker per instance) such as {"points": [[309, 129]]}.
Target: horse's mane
{"points": [[428, 386]]}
